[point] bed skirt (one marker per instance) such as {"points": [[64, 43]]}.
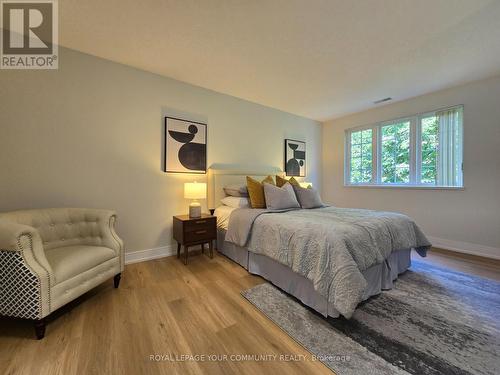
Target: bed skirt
{"points": [[378, 277]]}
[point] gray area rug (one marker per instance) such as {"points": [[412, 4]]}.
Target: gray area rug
{"points": [[435, 321]]}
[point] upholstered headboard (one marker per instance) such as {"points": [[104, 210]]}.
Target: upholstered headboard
{"points": [[222, 175]]}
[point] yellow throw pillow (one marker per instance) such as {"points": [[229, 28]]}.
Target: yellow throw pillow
{"points": [[293, 181], [280, 181], [256, 191]]}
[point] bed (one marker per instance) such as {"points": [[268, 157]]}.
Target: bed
{"points": [[293, 250]]}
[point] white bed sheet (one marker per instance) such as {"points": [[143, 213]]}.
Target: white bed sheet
{"points": [[223, 213]]}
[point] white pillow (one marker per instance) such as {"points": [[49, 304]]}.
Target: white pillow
{"points": [[236, 202], [236, 190]]}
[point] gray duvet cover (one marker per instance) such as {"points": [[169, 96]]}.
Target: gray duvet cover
{"points": [[330, 246]]}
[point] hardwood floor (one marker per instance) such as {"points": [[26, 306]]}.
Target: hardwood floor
{"points": [[162, 307], [167, 309], [475, 265]]}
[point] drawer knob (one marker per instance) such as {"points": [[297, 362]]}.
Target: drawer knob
{"points": [[201, 222], [201, 231]]}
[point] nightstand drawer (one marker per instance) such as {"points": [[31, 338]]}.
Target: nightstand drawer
{"points": [[199, 224], [201, 234]]}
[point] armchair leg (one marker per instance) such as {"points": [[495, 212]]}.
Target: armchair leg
{"points": [[39, 328], [117, 279]]}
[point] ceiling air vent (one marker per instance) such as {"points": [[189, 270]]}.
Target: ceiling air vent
{"points": [[382, 100]]}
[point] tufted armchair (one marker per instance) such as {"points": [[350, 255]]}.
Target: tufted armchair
{"points": [[50, 257]]}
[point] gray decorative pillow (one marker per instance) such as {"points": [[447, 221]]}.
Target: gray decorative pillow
{"points": [[308, 197], [280, 198], [236, 190]]}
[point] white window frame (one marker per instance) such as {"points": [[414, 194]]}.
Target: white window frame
{"points": [[415, 154], [347, 169]]}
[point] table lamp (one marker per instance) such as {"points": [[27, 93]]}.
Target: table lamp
{"points": [[195, 190]]}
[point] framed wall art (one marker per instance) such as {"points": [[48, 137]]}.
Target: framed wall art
{"points": [[185, 146], [295, 158]]}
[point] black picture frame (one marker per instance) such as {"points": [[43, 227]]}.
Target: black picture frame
{"points": [[295, 158], [190, 154]]}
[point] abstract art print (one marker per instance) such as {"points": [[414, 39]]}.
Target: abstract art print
{"points": [[295, 158], [185, 146]]}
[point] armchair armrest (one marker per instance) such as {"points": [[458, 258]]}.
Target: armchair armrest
{"points": [[112, 237], [11, 232], [26, 240]]}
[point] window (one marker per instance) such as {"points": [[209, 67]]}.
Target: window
{"points": [[429, 148], [361, 156], [395, 151], [421, 150]]}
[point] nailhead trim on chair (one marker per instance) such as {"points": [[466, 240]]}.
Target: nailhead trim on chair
{"points": [[20, 287], [20, 245]]}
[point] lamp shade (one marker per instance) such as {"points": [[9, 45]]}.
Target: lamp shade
{"points": [[195, 190]]}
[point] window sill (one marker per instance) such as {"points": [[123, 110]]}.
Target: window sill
{"points": [[415, 187]]}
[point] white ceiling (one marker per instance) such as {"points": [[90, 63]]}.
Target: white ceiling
{"points": [[317, 58]]}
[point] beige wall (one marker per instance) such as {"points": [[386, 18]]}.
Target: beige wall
{"points": [[89, 135], [467, 220]]}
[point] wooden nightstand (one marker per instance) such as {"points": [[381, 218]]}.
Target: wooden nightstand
{"points": [[190, 232]]}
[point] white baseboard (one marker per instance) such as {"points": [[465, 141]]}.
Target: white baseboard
{"points": [[149, 254], [466, 247]]}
